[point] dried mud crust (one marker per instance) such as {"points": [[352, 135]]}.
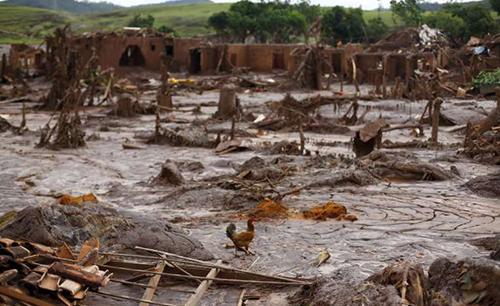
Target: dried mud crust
{"points": [[55, 224]]}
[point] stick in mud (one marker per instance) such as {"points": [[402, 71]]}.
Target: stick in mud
{"points": [[435, 120]]}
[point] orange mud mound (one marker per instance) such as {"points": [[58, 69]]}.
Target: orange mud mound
{"points": [[329, 210], [67, 199], [270, 209]]}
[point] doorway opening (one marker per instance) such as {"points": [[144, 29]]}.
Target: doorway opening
{"points": [[132, 56]]}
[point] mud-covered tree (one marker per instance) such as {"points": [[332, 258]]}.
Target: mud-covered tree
{"points": [[408, 11], [142, 21], [343, 25]]}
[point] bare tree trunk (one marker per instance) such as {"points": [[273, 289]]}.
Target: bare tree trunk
{"points": [[435, 120], [3, 68]]}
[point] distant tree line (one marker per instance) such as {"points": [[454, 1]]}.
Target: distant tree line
{"points": [[283, 22], [458, 21], [148, 21]]}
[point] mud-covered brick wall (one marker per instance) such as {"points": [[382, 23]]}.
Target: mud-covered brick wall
{"points": [[336, 57], [22, 56], [210, 57], [266, 58], [366, 64], [181, 51], [112, 50], [237, 55], [396, 66]]}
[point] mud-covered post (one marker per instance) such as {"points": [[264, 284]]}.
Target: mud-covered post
{"points": [[227, 107], [23, 120], [384, 77], [302, 138], [435, 120], [233, 127], [3, 68]]}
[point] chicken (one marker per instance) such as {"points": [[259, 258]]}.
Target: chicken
{"points": [[242, 239]]}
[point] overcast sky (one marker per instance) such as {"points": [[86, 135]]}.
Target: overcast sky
{"points": [[366, 4]]}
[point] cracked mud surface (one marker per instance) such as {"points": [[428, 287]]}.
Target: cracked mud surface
{"points": [[417, 220]]}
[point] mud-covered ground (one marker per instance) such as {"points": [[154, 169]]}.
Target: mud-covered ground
{"points": [[416, 220]]}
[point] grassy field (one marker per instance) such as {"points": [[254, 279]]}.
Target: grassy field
{"points": [[30, 25]]}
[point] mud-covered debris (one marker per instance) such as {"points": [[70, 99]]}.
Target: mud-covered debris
{"points": [[341, 289], [368, 138], [67, 133], [270, 209], [191, 137], [285, 147], [396, 168], [347, 177], [372, 129], [486, 185], [4, 125], [126, 106], [169, 174], [329, 210], [229, 146], [409, 279], [466, 282], [255, 162], [67, 199], [57, 224], [190, 165]]}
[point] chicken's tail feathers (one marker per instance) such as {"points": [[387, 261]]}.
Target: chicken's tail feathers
{"points": [[230, 229]]}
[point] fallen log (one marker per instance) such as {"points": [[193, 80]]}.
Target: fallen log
{"points": [[77, 274]]}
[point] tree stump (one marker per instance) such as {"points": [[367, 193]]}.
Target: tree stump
{"points": [[125, 106], [435, 120], [164, 99], [228, 103]]}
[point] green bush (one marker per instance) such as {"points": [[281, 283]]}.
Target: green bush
{"points": [[487, 78]]}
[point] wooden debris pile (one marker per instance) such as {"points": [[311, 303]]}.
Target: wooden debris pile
{"points": [[309, 74], [192, 137], [36, 274], [67, 133], [482, 140]]}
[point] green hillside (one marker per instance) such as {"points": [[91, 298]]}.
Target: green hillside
{"points": [[30, 25], [27, 24]]}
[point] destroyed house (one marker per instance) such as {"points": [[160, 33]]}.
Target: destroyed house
{"points": [[254, 57], [23, 57], [135, 49]]}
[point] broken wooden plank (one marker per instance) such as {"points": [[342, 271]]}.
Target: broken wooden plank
{"points": [[14, 100], [77, 274], [125, 297], [225, 267], [195, 299], [153, 283], [22, 297], [288, 282], [241, 298]]}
